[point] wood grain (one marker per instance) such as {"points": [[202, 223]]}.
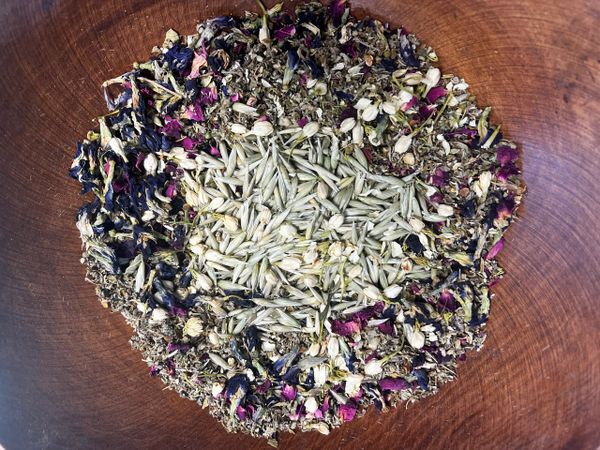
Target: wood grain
{"points": [[68, 378]]}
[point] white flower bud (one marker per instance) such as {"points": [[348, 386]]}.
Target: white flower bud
{"points": [[353, 382], [392, 291], [358, 133], [363, 103], [287, 231], [242, 108], [445, 210], [150, 163], [389, 108], [415, 338], [238, 128], [290, 264], [203, 282], [310, 129], [230, 223], [402, 144], [333, 347], [347, 124], [262, 128], [416, 224], [193, 327], [373, 367], [370, 113], [372, 292], [311, 405], [336, 221], [158, 315]]}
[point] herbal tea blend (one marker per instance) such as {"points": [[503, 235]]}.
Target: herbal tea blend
{"points": [[298, 215]]}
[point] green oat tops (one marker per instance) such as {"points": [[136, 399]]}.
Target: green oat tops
{"points": [[298, 215]]}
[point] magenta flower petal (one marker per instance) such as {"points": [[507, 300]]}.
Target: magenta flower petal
{"points": [[386, 327], [435, 93], [171, 189], [345, 328], [447, 301], [496, 248], [171, 128], [285, 32], [153, 370], [504, 173], [347, 412], [214, 151], [208, 96], [264, 387], [393, 384], [412, 102], [288, 392], [241, 412], [506, 155], [440, 177], [188, 143], [194, 112], [302, 121], [426, 110]]}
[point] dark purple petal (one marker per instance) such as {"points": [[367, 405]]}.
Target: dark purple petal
{"points": [[285, 32], [241, 412], [208, 96], [426, 110], [194, 112], [506, 155], [496, 248], [153, 370], [171, 189], [435, 93], [412, 102], [264, 387], [347, 412], [504, 208], [171, 128], [288, 392], [368, 152], [504, 173], [170, 367], [188, 143], [349, 49], [386, 327], [181, 347], [302, 121], [440, 177], [337, 9], [437, 197], [393, 384], [447, 301], [345, 328]]}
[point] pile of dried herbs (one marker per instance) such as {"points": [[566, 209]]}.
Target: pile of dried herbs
{"points": [[297, 214]]}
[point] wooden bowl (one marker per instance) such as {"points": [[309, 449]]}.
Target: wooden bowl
{"points": [[68, 377]]}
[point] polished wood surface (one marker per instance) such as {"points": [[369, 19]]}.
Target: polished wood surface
{"points": [[68, 378]]}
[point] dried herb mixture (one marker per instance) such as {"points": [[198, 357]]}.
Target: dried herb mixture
{"points": [[298, 215]]}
